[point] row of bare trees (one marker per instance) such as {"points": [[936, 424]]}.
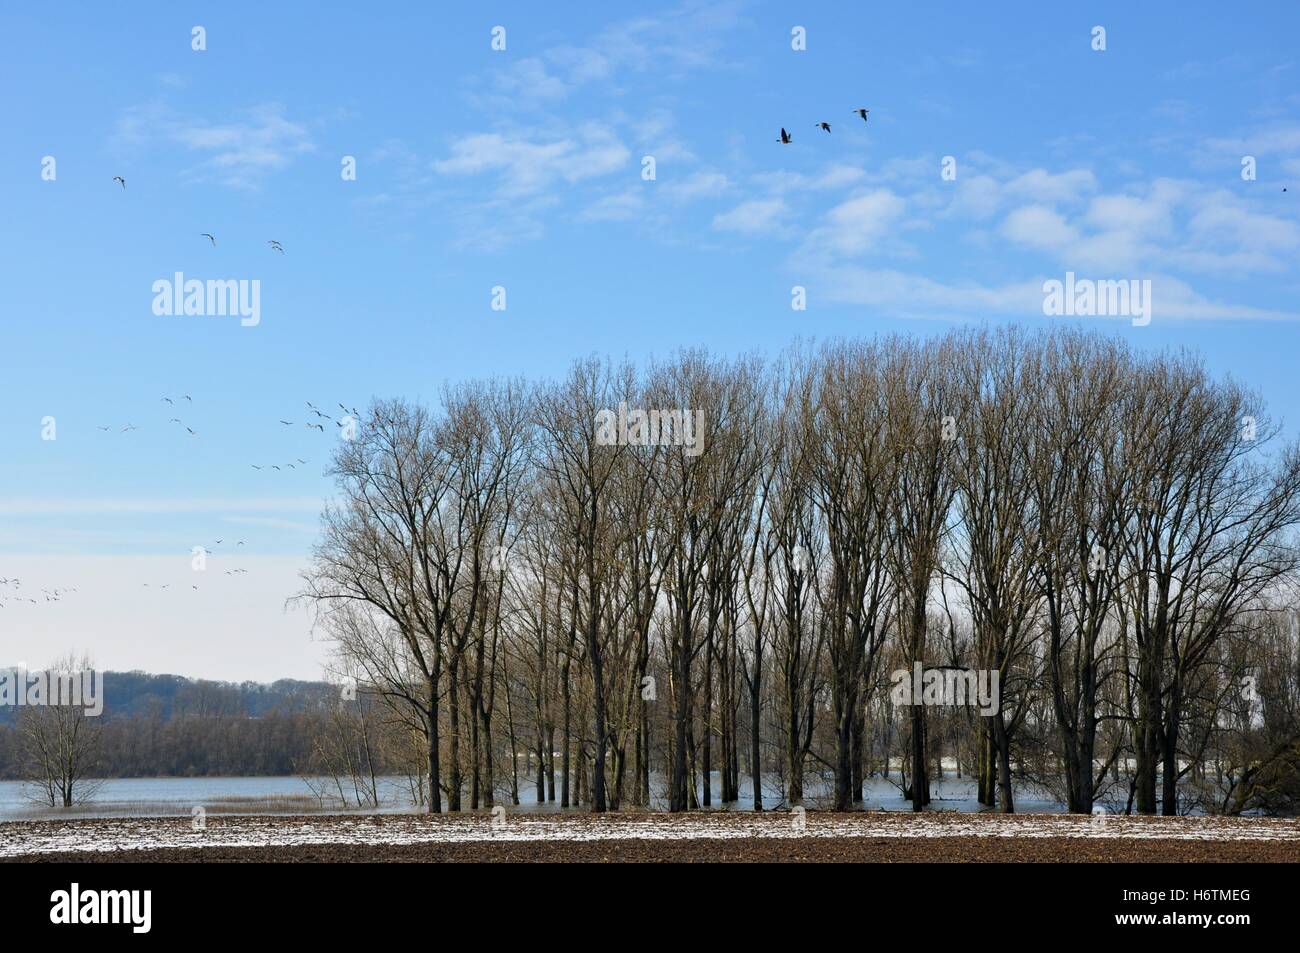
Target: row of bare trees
{"points": [[1110, 534]]}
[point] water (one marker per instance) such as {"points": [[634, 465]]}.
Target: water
{"points": [[161, 797]]}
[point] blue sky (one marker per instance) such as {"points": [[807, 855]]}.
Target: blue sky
{"points": [[522, 168]]}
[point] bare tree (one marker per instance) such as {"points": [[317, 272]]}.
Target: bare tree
{"points": [[60, 738], [919, 403], [1105, 531]]}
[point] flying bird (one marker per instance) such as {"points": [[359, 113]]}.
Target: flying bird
{"points": [[104, 428], [168, 400], [824, 125], [862, 113], [276, 246], [318, 427], [255, 466], [188, 397], [129, 427], [175, 420], [785, 139], [192, 433], [210, 237], [287, 423], [119, 179]]}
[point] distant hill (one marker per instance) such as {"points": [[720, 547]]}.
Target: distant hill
{"points": [[137, 694], [171, 726]]}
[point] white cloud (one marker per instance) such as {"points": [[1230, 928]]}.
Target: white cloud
{"points": [[621, 207], [529, 79], [857, 225], [1275, 139], [977, 196], [239, 152], [754, 217], [917, 296], [1129, 213], [1038, 226], [35, 506], [1225, 218], [695, 186], [834, 176], [670, 44], [1039, 185], [272, 522], [905, 295], [527, 165]]}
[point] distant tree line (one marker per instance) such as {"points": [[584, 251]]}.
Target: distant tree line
{"points": [[169, 726], [530, 582]]}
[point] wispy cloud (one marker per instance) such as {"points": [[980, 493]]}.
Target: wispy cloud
{"points": [[529, 162], [239, 152], [270, 522], [12, 506], [671, 44], [857, 225], [755, 217], [904, 295], [1199, 246]]}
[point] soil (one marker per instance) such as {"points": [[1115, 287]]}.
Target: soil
{"points": [[706, 850], [871, 837]]}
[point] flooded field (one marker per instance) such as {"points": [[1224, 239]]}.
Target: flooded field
{"points": [[163, 797]]}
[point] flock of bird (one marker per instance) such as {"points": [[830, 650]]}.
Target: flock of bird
{"points": [[49, 595], [275, 246], [310, 425], [786, 138], [54, 595], [57, 594]]}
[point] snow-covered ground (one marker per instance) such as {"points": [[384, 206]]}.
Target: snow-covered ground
{"points": [[29, 837]]}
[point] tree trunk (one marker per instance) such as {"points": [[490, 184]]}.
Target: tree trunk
{"points": [[755, 712], [1006, 802], [920, 780], [678, 800], [435, 778], [454, 742]]}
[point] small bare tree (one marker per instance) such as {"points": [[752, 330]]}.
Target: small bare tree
{"points": [[60, 740]]}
